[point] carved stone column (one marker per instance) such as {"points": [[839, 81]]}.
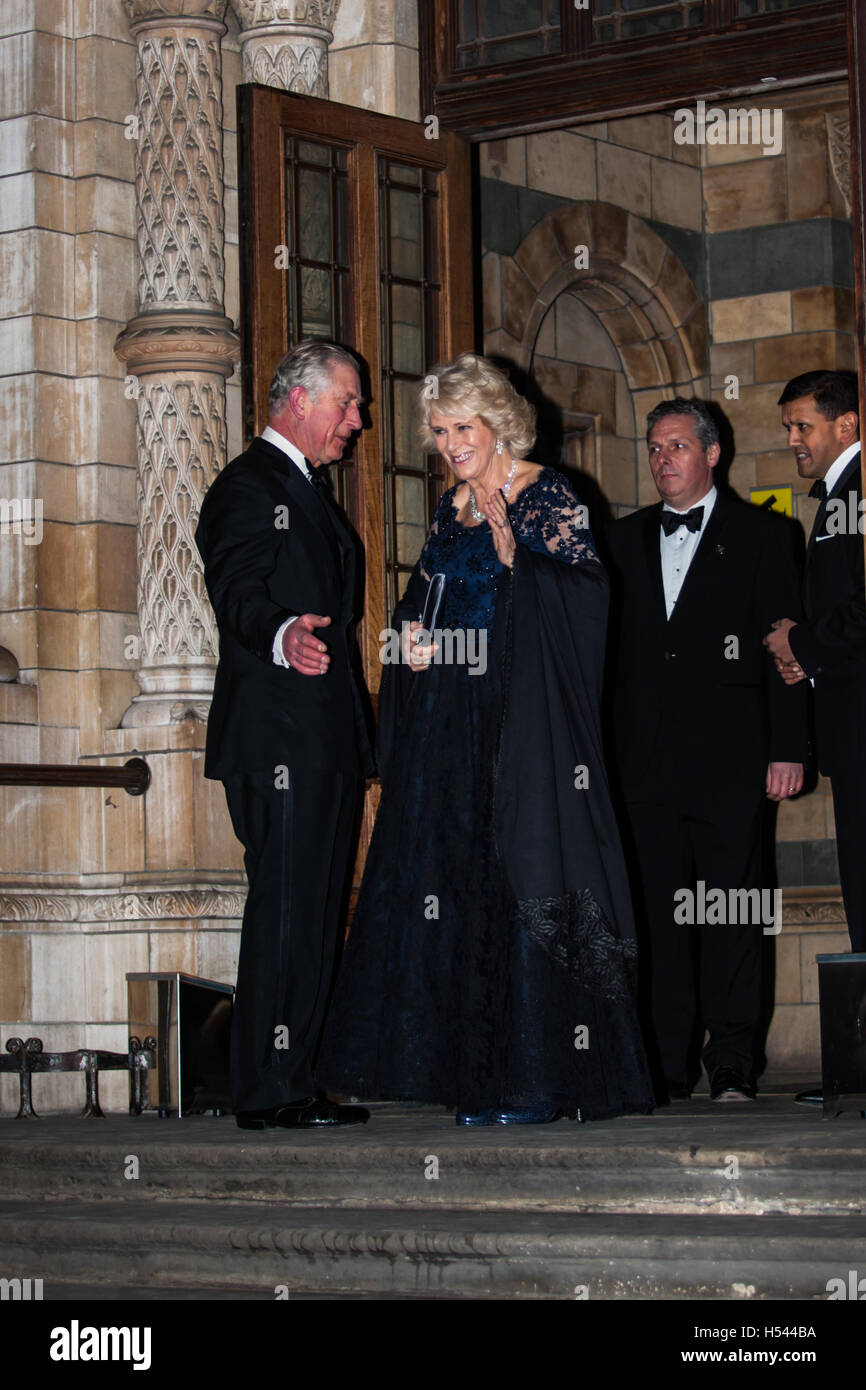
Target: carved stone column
{"points": [[180, 347], [285, 42]]}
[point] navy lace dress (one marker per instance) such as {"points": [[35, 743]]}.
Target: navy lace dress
{"points": [[450, 990]]}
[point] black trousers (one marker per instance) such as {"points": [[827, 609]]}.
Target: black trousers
{"points": [[297, 843], [848, 781], [702, 975]]}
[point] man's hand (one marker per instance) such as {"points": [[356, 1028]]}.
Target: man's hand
{"points": [[783, 780], [790, 671], [302, 649], [776, 641]]}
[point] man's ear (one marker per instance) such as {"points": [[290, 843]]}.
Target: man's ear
{"points": [[849, 427], [714, 453], [298, 401]]}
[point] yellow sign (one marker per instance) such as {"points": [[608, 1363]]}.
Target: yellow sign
{"points": [[773, 499]]}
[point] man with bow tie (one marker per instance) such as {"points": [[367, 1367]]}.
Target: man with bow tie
{"points": [[820, 413], [286, 733], [705, 730]]}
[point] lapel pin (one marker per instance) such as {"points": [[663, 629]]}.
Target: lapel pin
{"points": [[720, 550]]}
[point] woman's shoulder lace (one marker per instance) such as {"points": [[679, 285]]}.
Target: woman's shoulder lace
{"points": [[548, 515]]}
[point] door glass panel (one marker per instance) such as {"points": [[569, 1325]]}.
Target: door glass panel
{"points": [[502, 31], [410, 291], [615, 20], [410, 509], [316, 254]]}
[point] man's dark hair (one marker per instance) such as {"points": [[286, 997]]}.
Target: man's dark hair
{"points": [[706, 428], [834, 393]]}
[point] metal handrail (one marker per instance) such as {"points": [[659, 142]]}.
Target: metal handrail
{"points": [[133, 777]]}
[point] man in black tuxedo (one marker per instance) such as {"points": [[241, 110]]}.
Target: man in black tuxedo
{"points": [[286, 733], [820, 412], [705, 729]]}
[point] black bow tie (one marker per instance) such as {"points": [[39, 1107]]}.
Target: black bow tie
{"points": [[672, 521], [320, 480], [819, 490]]}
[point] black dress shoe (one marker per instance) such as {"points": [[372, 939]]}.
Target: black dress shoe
{"points": [[814, 1096], [728, 1084], [312, 1113], [677, 1090]]}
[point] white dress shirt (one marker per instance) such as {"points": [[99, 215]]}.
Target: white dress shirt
{"points": [[280, 442], [678, 550]]}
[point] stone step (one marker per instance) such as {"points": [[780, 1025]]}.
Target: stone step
{"points": [[244, 1247], [701, 1163]]}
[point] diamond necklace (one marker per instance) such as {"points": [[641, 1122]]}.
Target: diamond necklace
{"points": [[506, 488]]}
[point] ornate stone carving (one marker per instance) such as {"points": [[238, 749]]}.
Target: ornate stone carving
{"points": [[839, 144], [297, 66], [178, 342], [83, 905], [255, 13], [285, 42], [181, 347], [140, 11], [182, 442], [179, 175]]}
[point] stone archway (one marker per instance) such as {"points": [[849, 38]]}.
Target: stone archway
{"points": [[637, 289]]}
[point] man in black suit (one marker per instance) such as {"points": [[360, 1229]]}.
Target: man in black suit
{"points": [[820, 412], [705, 730], [286, 732]]}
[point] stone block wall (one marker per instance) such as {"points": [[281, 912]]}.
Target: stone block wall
{"points": [[67, 428]]}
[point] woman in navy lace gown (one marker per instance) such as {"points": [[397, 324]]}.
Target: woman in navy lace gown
{"points": [[491, 962]]}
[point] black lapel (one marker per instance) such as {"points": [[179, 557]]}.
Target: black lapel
{"points": [[652, 551], [301, 492], [843, 483]]}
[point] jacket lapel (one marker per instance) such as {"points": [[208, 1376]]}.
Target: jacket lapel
{"points": [[652, 551], [819, 525]]}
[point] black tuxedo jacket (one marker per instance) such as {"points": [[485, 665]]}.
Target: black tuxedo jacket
{"points": [[272, 548], [830, 642], [699, 707]]}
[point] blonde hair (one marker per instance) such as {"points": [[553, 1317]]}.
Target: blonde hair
{"points": [[471, 385]]}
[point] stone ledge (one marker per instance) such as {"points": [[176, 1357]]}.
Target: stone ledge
{"points": [[169, 902], [818, 909]]}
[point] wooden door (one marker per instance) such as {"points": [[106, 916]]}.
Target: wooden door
{"points": [[358, 227]]}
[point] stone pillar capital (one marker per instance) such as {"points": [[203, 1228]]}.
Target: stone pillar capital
{"points": [[173, 12], [285, 42], [311, 14]]}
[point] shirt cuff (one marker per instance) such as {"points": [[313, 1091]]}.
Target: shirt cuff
{"points": [[278, 654]]}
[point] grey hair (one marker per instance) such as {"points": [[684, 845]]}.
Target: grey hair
{"points": [[706, 428], [309, 364]]}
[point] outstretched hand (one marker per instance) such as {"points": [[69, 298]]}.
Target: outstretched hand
{"points": [[303, 649]]}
